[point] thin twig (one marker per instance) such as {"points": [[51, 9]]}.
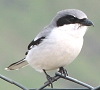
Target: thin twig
{"points": [[13, 82], [74, 80]]}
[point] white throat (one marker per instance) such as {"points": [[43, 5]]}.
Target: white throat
{"points": [[73, 29]]}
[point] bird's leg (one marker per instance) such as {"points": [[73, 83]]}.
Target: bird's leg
{"points": [[49, 79], [63, 71]]}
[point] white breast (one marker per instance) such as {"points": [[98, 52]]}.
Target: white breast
{"points": [[59, 49]]}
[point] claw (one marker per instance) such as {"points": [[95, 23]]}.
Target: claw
{"points": [[49, 79], [63, 71]]}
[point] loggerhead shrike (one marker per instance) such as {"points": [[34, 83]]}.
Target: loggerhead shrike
{"points": [[58, 44]]}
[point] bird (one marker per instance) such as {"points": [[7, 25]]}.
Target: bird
{"points": [[58, 44]]}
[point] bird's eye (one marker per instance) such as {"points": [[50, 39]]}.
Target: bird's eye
{"points": [[68, 19], [72, 18]]}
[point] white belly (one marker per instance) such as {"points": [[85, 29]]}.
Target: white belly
{"points": [[59, 49], [52, 54]]}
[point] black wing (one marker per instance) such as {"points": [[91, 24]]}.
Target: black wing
{"points": [[38, 41]]}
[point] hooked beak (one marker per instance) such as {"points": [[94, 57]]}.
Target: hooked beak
{"points": [[86, 22]]}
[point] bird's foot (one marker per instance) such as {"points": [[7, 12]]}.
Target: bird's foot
{"points": [[49, 79], [63, 71]]}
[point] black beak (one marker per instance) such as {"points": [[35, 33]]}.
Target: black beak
{"points": [[86, 22]]}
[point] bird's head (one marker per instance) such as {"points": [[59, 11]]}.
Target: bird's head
{"points": [[72, 19]]}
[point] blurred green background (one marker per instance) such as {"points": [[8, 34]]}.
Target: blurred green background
{"points": [[20, 22]]}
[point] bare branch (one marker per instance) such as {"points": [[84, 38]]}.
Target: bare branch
{"points": [[59, 75], [13, 82], [56, 77], [74, 80]]}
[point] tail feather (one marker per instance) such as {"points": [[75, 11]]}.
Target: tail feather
{"points": [[17, 65]]}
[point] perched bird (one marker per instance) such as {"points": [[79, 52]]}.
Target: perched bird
{"points": [[58, 44]]}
